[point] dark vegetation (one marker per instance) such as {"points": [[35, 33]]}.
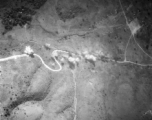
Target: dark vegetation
{"points": [[17, 16], [18, 12]]}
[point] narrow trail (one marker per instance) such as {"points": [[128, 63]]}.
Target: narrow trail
{"points": [[133, 32], [55, 53]]}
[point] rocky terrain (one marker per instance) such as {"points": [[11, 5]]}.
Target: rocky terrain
{"points": [[96, 60]]}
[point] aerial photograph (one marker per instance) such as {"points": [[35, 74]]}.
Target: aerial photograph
{"points": [[75, 59]]}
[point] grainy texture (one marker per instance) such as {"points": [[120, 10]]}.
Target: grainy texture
{"points": [[114, 86]]}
